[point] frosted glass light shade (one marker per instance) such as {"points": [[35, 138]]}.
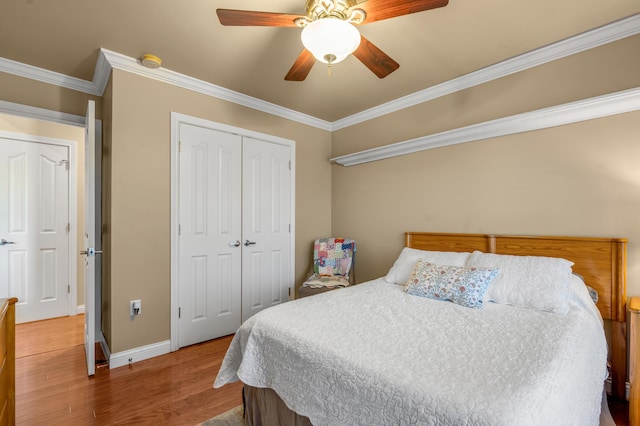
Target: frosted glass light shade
{"points": [[330, 39]]}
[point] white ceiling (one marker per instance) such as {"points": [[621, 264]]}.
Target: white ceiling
{"points": [[432, 47]]}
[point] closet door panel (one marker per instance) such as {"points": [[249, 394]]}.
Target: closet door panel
{"points": [[210, 224], [266, 225]]}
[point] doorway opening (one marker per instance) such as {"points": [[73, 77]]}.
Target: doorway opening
{"points": [[40, 127]]}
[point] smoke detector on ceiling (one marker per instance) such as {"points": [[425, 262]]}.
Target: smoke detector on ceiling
{"points": [[150, 61]]}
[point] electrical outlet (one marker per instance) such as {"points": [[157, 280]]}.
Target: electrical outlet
{"points": [[135, 308]]}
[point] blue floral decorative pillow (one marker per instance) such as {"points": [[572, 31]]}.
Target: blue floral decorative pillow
{"points": [[464, 286]]}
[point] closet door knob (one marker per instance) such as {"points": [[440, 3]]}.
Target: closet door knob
{"points": [[248, 243], [235, 243]]}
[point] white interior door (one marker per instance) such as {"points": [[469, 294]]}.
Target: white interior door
{"points": [[266, 208], [34, 233], [210, 232], [89, 239]]}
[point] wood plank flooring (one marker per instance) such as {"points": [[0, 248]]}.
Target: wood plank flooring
{"points": [[52, 387]]}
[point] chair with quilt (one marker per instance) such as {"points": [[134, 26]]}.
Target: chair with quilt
{"points": [[333, 261]]}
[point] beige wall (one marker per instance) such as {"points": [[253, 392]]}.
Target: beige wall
{"points": [[34, 93], [139, 187], [29, 126], [580, 179]]}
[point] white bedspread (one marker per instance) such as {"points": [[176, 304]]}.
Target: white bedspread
{"points": [[371, 354]]}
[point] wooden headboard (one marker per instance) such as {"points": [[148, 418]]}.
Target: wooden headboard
{"points": [[600, 261]]}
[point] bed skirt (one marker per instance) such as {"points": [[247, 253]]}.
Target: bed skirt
{"points": [[264, 407]]}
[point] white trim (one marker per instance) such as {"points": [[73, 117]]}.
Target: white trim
{"points": [[41, 114], [120, 359], [107, 60], [176, 120], [195, 121], [588, 109], [46, 76], [588, 40], [72, 148], [101, 73], [80, 309], [73, 225], [292, 229]]}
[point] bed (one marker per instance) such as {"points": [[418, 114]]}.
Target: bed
{"points": [[374, 354]]}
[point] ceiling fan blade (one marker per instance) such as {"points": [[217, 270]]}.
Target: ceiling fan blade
{"points": [[301, 67], [261, 19], [375, 59], [377, 10]]}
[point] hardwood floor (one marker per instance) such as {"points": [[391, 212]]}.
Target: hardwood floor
{"points": [[52, 387]]}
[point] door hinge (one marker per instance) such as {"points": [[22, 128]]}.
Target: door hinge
{"points": [[179, 230], [289, 165], [68, 228], [179, 312], [68, 288], [180, 146]]}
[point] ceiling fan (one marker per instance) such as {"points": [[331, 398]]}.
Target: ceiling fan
{"points": [[328, 32]]}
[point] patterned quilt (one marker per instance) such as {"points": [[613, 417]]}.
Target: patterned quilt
{"points": [[332, 262]]}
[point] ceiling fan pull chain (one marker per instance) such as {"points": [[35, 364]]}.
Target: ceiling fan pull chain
{"points": [[329, 58]]}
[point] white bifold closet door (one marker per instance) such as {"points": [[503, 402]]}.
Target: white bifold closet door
{"points": [[234, 245]]}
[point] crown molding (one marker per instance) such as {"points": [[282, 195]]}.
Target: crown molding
{"points": [[41, 114], [588, 109], [46, 76], [588, 40], [107, 60], [102, 72]]}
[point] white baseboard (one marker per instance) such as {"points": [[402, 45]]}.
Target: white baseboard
{"points": [[130, 356], [120, 359], [80, 310]]}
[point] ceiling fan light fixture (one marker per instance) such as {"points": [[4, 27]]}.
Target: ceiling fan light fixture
{"points": [[330, 40]]}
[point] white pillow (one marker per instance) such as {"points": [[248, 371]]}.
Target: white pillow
{"points": [[527, 281], [579, 295], [409, 257]]}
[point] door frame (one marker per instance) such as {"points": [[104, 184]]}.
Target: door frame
{"points": [[72, 205], [176, 120], [27, 111]]}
